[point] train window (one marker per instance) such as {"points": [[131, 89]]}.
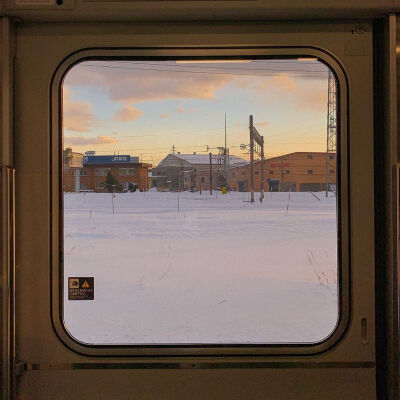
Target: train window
{"points": [[160, 245]]}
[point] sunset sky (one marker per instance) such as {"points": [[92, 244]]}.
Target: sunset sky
{"points": [[143, 108]]}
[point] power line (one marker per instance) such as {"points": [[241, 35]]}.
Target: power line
{"points": [[165, 134], [221, 68], [199, 72], [202, 130]]}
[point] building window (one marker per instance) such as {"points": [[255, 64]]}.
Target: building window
{"points": [[202, 179], [243, 173], [331, 171], [102, 171], [287, 172], [331, 157], [233, 174], [83, 172], [271, 172], [310, 156], [99, 185], [310, 171], [256, 173], [126, 171]]}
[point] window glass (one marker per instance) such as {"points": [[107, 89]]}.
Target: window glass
{"points": [[101, 171], [126, 171], [161, 245]]}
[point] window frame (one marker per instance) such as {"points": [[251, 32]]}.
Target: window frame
{"points": [[343, 220], [99, 185], [130, 171], [103, 169]]}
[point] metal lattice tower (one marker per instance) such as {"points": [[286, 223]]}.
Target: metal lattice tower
{"points": [[331, 125], [331, 136]]}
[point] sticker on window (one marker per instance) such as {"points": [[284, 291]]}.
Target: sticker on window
{"points": [[81, 288]]}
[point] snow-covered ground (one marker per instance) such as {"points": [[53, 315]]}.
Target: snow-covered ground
{"points": [[190, 268]]}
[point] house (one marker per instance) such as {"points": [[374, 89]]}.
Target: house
{"points": [[193, 171]]}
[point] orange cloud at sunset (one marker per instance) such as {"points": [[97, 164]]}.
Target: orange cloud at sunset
{"points": [[132, 88], [128, 113], [86, 140], [77, 116]]}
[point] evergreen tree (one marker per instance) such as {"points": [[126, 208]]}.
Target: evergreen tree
{"points": [[111, 183]]}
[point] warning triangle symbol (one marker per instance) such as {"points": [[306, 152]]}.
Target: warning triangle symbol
{"points": [[85, 285]]}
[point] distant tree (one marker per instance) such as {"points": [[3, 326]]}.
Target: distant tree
{"points": [[132, 187], [67, 156], [111, 184]]}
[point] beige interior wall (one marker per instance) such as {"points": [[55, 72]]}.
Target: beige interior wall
{"points": [[344, 372]]}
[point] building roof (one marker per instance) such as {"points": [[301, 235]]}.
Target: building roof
{"points": [[200, 159], [283, 156]]}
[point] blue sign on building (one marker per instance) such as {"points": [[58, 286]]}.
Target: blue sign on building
{"points": [[109, 159]]}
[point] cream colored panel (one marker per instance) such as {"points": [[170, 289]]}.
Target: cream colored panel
{"points": [[40, 48], [280, 384]]}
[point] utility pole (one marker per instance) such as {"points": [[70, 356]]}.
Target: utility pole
{"points": [[255, 137], [182, 182], [225, 160], [262, 168], [211, 178], [173, 149], [251, 158], [331, 126]]}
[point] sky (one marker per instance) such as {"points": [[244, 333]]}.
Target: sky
{"points": [[143, 108]]}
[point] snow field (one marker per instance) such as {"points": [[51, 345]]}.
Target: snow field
{"points": [[188, 268]]}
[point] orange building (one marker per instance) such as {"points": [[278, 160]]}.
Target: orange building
{"points": [[296, 172], [125, 169]]}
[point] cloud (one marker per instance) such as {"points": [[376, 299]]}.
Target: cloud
{"points": [[133, 86], [304, 94], [284, 82], [164, 116], [181, 109], [128, 113], [77, 116], [87, 140], [133, 83], [262, 123], [313, 100]]}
